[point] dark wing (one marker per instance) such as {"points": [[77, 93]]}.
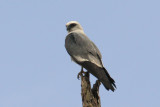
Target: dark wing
{"points": [[81, 49]]}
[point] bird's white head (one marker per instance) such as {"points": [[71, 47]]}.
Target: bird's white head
{"points": [[72, 26]]}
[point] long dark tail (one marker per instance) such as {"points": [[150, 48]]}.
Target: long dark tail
{"points": [[102, 75], [108, 82]]}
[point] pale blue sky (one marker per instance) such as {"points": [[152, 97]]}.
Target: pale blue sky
{"points": [[36, 71]]}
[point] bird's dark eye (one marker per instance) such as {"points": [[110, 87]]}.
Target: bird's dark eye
{"points": [[72, 25]]}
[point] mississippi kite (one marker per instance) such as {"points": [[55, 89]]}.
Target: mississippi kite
{"points": [[85, 53]]}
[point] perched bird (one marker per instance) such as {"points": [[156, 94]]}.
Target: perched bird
{"points": [[85, 53]]}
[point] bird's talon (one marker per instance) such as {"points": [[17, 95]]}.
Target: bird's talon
{"points": [[80, 73]]}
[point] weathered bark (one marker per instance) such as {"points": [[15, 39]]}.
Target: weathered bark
{"points": [[90, 97]]}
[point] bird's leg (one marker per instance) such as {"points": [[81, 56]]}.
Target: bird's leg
{"points": [[80, 73]]}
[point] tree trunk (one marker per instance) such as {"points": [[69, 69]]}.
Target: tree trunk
{"points": [[90, 97]]}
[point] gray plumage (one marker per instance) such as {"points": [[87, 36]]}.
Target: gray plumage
{"points": [[85, 53]]}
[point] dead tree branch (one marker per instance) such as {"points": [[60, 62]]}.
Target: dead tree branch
{"points": [[90, 96]]}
